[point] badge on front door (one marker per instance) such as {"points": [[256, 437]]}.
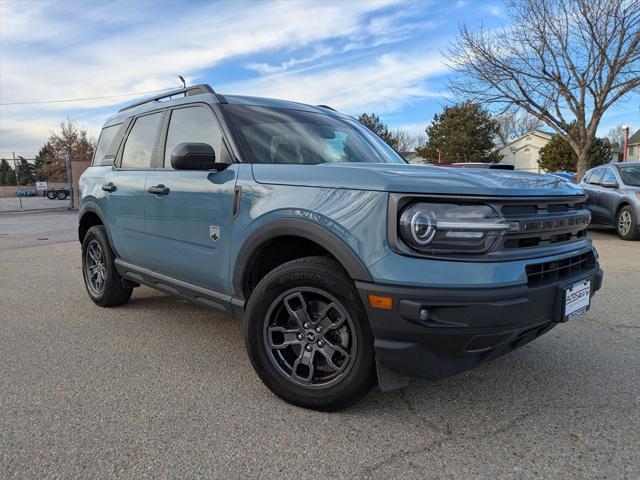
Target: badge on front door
{"points": [[214, 232]]}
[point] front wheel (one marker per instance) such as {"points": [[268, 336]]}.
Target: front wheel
{"points": [[627, 224], [51, 195], [308, 336]]}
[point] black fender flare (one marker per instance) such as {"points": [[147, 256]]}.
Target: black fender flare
{"points": [[92, 207], [295, 227]]}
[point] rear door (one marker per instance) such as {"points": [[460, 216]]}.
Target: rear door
{"points": [[610, 197], [189, 227], [593, 189], [124, 205]]}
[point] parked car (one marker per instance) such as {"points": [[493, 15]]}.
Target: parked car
{"points": [[614, 197], [57, 193], [347, 265], [26, 193]]}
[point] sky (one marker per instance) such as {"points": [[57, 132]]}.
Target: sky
{"points": [[357, 56]]}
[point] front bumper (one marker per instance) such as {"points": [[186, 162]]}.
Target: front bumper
{"points": [[465, 327]]}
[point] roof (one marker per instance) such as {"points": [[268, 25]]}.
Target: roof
{"points": [[204, 93], [635, 138], [540, 133]]}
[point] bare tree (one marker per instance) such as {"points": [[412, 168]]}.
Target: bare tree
{"points": [[512, 125], [559, 60], [407, 141], [616, 136]]}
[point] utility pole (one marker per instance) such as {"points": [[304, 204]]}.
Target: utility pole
{"points": [[15, 170], [625, 128], [69, 180]]}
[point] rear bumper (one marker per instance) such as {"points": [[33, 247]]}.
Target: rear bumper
{"points": [[465, 327]]}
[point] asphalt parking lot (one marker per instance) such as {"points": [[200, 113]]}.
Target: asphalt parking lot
{"points": [[161, 388]]}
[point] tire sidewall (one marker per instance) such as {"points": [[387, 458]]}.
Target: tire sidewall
{"points": [[98, 234], [290, 276]]}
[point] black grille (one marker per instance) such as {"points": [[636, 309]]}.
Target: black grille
{"points": [[545, 223], [551, 272]]}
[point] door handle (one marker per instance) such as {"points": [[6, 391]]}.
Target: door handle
{"points": [[159, 190], [109, 187]]}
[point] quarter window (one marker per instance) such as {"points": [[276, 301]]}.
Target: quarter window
{"points": [[192, 125], [138, 148], [609, 176], [105, 141]]}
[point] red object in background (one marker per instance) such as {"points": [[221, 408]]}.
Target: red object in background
{"points": [[626, 143]]}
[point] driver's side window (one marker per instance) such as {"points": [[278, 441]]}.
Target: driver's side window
{"points": [[195, 124]]}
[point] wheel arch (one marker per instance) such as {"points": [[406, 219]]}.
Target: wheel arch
{"points": [[90, 215], [294, 228]]}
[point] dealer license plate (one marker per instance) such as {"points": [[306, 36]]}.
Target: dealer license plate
{"points": [[577, 299]]}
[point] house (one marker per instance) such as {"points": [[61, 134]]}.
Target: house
{"points": [[633, 148], [523, 152]]}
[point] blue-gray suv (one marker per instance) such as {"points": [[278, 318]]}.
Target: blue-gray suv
{"points": [[347, 265]]}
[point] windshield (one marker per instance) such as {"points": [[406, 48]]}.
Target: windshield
{"points": [[277, 135], [631, 175]]}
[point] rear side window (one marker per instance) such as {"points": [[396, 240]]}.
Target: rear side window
{"points": [[103, 148], [138, 148], [193, 125], [609, 176]]}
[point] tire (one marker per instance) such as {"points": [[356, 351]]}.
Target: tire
{"points": [[62, 195], [101, 279], [51, 195], [277, 335], [627, 224]]}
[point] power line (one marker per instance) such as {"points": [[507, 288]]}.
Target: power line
{"points": [[86, 98]]}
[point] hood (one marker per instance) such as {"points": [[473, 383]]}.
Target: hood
{"points": [[410, 178]]}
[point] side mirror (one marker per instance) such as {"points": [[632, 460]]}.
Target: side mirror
{"points": [[609, 184], [195, 156]]}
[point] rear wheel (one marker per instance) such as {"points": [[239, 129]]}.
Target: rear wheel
{"points": [[51, 195], [627, 224], [308, 336], [62, 195], [102, 280]]}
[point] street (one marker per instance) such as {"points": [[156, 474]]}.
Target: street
{"points": [[160, 388]]}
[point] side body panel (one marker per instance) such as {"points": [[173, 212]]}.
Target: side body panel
{"points": [[189, 230], [123, 209]]}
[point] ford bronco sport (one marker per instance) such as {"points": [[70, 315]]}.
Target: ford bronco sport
{"points": [[347, 265]]}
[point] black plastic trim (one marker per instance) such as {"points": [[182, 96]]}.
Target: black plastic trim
{"points": [[93, 207], [297, 228], [196, 293]]}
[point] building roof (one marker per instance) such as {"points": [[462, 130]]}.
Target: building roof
{"points": [[635, 138], [539, 133]]}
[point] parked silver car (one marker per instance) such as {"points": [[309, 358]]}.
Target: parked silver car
{"points": [[614, 197]]}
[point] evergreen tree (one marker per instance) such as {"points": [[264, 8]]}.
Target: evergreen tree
{"points": [[26, 172], [373, 123], [558, 156], [462, 133], [7, 176]]}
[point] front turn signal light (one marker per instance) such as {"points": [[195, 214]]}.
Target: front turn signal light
{"points": [[380, 301]]}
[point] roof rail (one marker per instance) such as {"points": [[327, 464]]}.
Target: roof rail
{"points": [[327, 106], [188, 91]]}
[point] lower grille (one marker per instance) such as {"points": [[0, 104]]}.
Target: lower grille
{"points": [[551, 272]]}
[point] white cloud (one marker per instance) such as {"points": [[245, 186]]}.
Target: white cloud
{"points": [[54, 51], [385, 84]]}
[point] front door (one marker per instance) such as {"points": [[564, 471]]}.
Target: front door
{"points": [[189, 221]]}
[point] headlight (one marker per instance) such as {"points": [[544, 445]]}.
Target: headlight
{"points": [[452, 228]]}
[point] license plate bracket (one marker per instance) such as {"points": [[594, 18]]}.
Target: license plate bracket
{"points": [[576, 299]]}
